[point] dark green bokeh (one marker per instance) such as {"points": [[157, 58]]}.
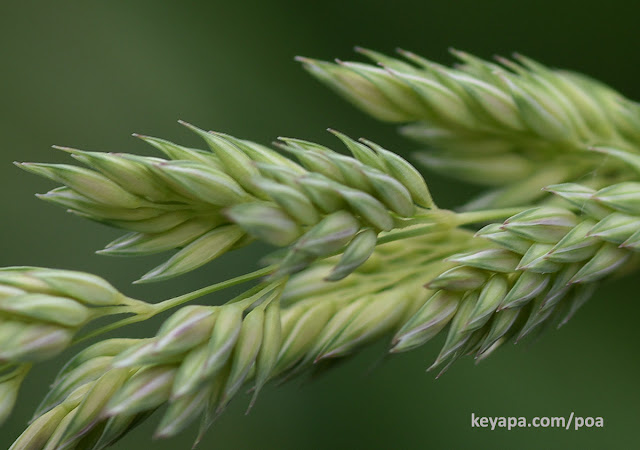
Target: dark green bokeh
{"points": [[88, 74]]}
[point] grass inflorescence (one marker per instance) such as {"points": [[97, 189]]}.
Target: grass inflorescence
{"points": [[362, 250]]}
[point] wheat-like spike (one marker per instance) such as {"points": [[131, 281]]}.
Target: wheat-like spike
{"points": [[41, 310], [543, 268], [481, 106], [519, 125], [205, 204], [546, 269], [366, 251], [202, 355]]}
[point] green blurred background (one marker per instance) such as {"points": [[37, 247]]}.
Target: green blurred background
{"points": [[88, 74]]}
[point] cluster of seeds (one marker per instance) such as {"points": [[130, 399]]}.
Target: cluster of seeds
{"points": [[206, 203], [518, 125], [41, 310], [202, 356], [541, 269], [365, 252], [544, 270]]}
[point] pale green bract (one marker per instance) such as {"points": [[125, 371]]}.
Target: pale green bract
{"points": [[362, 252]]}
